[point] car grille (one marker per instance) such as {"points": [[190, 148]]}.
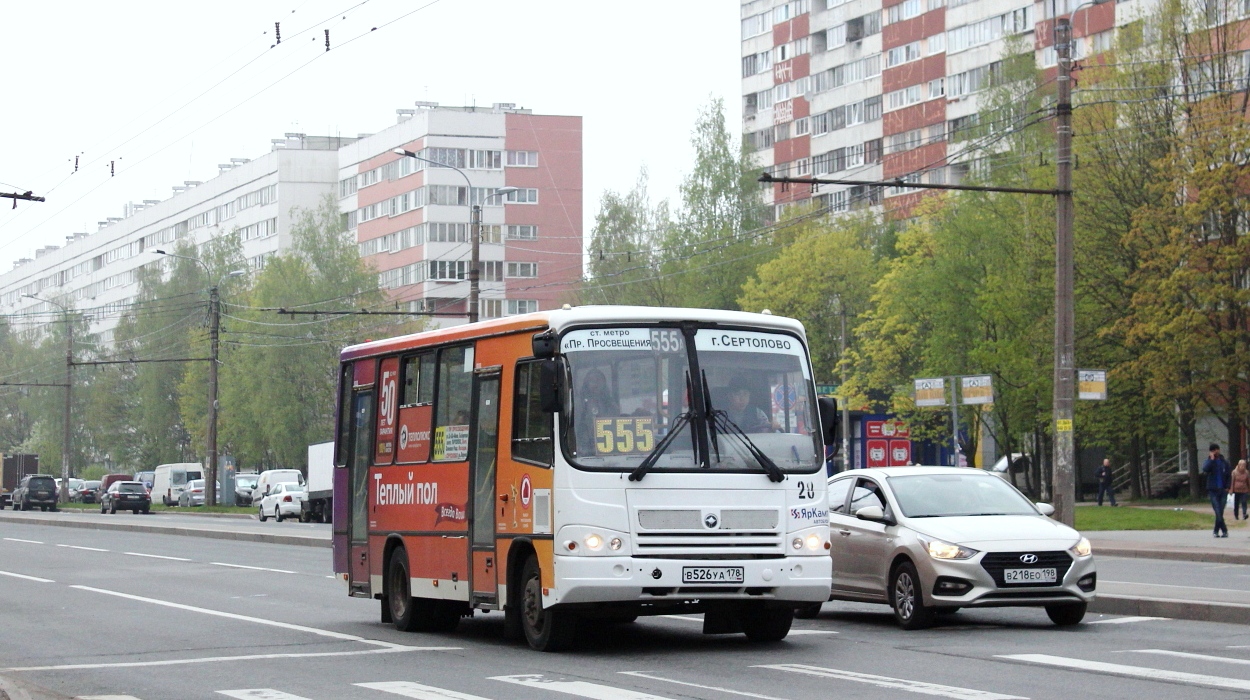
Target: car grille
{"points": [[738, 532], [995, 562]]}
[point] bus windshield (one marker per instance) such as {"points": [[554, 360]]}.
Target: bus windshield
{"points": [[631, 387]]}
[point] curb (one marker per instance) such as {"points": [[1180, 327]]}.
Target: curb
{"points": [[267, 538], [1213, 556], [12, 689], [1172, 608]]}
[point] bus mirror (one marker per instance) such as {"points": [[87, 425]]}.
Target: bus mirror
{"points": [[549, 386], [829, 422], [544, 344]]}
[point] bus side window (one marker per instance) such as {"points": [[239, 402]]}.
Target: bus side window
{"points": [[418, 379], [531, 426], [453, 401], [345, 415]]}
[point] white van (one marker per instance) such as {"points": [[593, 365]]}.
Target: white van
{"points": [[169, 480], [275, 476]]}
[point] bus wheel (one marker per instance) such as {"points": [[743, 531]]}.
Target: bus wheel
{"points": [[765, 624], [810, 611], [403, 607], [545, 629]]}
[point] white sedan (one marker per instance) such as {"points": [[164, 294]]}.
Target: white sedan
{"points": [[931, 540], [282, 502]]}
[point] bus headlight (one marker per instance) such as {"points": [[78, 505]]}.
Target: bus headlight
{"points": [[594, 542], [797, 543], [615, 543], [813, 542]]}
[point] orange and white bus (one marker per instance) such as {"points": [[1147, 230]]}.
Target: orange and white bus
{"points": [[590, 463]]}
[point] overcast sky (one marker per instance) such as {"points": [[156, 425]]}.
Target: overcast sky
{"points": [[112, 82]]}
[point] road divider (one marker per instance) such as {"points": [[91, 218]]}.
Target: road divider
{"points": [[69, 519]]}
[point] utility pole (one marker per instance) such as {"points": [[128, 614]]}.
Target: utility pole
{"points": [[63, 492], [475, 252], [846, 409], [955, 421], [214, 331], [1063, 485]]}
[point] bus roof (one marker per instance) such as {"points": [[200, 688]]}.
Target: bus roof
{"points": [[560, 319]]}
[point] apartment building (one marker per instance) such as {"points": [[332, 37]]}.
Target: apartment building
{"points": [[885, 89], [411, 217], [97, 273]]}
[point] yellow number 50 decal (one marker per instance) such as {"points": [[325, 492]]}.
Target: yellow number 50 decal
{"points": [[624, 435]]}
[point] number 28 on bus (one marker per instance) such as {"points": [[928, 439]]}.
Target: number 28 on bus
{"points": [[590, 464]]}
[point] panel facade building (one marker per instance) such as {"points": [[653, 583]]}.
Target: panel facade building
{"points": [[98, 273], [885, 89], [412, 217]]}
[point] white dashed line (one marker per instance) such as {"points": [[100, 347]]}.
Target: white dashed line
{"points": [[14, 539], [87, 549], [28, 578], [1126, 620], [155, 556], [1187, 655], [252, 568]]}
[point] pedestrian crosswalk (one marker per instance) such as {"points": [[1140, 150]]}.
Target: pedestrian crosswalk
{"points": [[1197, 669]]}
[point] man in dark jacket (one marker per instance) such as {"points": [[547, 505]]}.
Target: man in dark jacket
{"points": [[1219, 475], [1105, 476]]}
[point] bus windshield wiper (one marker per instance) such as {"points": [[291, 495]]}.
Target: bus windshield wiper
{"points": [[720, 419], [682, 420]]}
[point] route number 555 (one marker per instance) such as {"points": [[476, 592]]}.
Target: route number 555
{"points": [[623, 435]]}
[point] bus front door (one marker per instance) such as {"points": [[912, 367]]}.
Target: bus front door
{"points": [[484, 450], [358, 476]]}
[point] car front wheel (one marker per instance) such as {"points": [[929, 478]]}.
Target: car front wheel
{"points": [[1066, 615], [907, 598]]}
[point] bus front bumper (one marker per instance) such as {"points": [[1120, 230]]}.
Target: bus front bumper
{"points": [[804, 579]]}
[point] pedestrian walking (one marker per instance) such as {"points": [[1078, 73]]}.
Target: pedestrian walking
{"points": [[1105, 476], [1218, 474], [1240, 489]]}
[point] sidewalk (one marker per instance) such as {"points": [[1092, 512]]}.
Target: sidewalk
{"points": [[1182, 545]]}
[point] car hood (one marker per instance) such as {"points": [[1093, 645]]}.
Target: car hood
{"points": [[991, 531]]}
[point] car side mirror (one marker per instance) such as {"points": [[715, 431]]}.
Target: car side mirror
{"points": [[874, 514], [829, 427], [1045, 509], [549, 386]]}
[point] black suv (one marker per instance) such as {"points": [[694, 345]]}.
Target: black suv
{"points": [[126, 495], [35, 491]]}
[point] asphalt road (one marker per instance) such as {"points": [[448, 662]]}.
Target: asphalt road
{"points": [[140, 615]]}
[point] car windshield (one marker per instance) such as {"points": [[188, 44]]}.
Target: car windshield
{"points": [[950, 495], [131, 488], [245, 481], [93, 484], [629, 387]]}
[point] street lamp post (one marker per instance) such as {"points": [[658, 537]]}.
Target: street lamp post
{"points": [[214, 333], [475, 229], [63, 492]]}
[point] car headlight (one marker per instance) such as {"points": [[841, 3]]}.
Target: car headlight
{"points": [[1082, 548], [945, 550]]}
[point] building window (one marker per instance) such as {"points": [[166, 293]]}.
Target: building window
{"points": [[903, 98], [492, 270], [904, 10], [903, 54], [835, 37], [445, 270], [801, 126], [522, 196], [490, 308], [523, 159], [522, 306], [522, 269], [937, 88], [935, 43], [522, 232], [486, 160]]}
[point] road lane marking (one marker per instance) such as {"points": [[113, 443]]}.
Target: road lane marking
{"points": [[1169, 585], [409, 689], [1187, 655], [683, 617], [88, 549], [696, 685], [1154, 674], [105, 697], [155, 556], [1125, 620], [260, 694], [14, 539], [687, 618], [594, 691], [215, 659], [946, 691], [258, 620], [794, 632], [28, 578], [252, 568]]}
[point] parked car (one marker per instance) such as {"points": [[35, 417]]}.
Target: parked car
{"points": [[147, 478], [90, 492], [126, 495], [192, 495], [35, 491], [270, 477], [169, 480], [282, 502], [75, 486], [108, 480], [243, 485], [932, 540]]}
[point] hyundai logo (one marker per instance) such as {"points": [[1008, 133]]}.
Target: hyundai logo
{"points": [[1028, 558], [710, 521]]}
